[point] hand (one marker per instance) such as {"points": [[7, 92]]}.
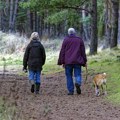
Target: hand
{"points": [[24, 69], [63, 65], [86, 65]]}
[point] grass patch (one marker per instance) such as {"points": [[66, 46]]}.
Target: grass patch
{"points": [[10, 60], [51, 66], [16, 62], [7, 111]]}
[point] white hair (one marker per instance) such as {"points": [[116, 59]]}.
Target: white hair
{"points": [[71, 31]]}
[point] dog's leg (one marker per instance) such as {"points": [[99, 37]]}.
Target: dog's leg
{"points": [[97, 91], [105, 92], [102, 89]]}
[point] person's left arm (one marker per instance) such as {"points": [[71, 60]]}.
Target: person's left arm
{"points": [[83, 52], [43, 55]]}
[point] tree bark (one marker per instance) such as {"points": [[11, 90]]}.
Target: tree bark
{"points": [[108, 17], [34, 21], [14, 15], [3, 16], [114, 32], [7, 15], [94, 31], [11, 16], [86, 27], [119, 24], [28, 23]]}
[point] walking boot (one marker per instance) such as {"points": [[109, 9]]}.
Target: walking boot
{"points": [[78, 90], [70, 93], [32, 86], [37, 88]]}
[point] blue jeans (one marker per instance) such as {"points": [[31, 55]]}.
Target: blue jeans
{"points": [[69, 76], [34, 76]]}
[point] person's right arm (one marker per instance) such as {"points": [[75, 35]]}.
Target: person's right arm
{"points": [[25, 58], [61, 59]]}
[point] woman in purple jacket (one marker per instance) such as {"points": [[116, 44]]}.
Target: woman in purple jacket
{"points": [[72, 56]]}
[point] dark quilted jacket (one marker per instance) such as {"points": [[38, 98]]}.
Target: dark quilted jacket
{"points": [[34, 56]]}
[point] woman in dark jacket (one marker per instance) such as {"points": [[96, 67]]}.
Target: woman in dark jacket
{"points": [[72, 56], [34, 58]]}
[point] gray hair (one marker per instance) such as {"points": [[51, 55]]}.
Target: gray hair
{"points": [[71, 31]]}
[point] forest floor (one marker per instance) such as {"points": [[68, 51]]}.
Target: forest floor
{"points": [[53, 103]]}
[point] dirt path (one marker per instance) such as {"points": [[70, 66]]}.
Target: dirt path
{"points": [[53, 103]]}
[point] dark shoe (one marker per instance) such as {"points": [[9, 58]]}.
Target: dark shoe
{"points": [[78, 88], [70, 93], [37, 92], [32, 88], [37, 88]]}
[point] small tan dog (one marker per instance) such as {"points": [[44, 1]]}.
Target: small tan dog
{"points": [[99, 81]]}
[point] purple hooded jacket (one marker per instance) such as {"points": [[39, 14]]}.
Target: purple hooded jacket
{"points": [[72, 51]]}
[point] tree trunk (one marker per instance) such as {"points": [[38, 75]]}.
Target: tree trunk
{"points": [[94, 31], [28, 24], [119, 25], [11, 16], [86, 28], [114, 32], [3, 16], [34, 21], [108, 17], [37, 22], [1, 19], [14, 15], [7, 15]]}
